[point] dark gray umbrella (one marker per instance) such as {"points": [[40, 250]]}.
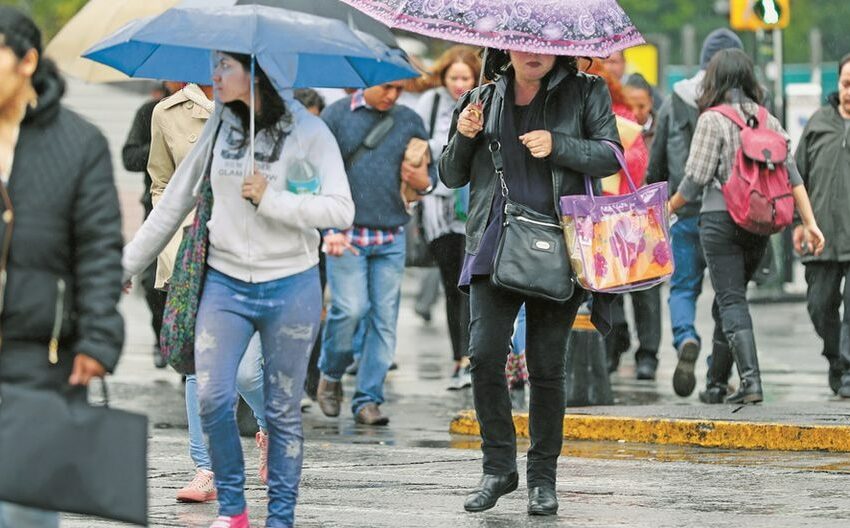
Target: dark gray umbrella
{"points": [[336, 10]]}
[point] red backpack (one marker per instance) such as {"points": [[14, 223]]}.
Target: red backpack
{"points": [[758, 192]]}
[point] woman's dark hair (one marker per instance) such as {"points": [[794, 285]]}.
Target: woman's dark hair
{"points": [[20, 34], [731, 71], [499, 62], [845, 60], [309, 98], [272, 107]]}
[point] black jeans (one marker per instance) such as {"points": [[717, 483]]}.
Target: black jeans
{"points": [[825, 296], [448, 251], [646, 305], [733, 256], [492, 315]]}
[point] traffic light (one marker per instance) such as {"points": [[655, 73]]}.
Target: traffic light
{"points": [[752, 15]]}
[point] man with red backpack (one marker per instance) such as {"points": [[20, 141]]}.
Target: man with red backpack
{"points": [[740, 165], [823, 158]]}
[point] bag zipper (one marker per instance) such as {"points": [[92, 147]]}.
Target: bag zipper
{"points": [[537, 222], [53, 347]]}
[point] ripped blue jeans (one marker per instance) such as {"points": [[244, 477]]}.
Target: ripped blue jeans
{"points": [[286, 313]]}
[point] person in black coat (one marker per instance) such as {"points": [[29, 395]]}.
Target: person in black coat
{"points": [[60, 233], [135, 155]]}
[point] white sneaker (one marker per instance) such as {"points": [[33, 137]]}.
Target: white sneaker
{"points": [[201, 489]]}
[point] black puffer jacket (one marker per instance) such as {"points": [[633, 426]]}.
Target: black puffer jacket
{"points": [[577, 113], [64, 267]]}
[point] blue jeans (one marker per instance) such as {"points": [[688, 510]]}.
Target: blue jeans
{"points": [[518, 339], [286, 312], [249, 383], [14, 516], [365, 287], [686, 283]]}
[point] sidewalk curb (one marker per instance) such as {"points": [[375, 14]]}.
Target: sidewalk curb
{"points": [[703, 433]]}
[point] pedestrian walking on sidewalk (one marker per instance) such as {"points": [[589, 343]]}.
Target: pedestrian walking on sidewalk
{"points": [[176, 124], [134, 155], [444, 210], [668, 155], [732, 252], [823, 158], [365, 263], [60, 238], [646, 304], [262, 274], [555, 126]]}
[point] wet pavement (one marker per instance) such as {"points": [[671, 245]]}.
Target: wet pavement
{"points": [[414, 474]]}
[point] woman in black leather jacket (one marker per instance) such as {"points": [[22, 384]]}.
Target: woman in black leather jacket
{"points": [[554, 122]]}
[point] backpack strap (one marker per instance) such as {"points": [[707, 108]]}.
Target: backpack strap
{"points": [[435, 108], [730, 113], [762, 117]]}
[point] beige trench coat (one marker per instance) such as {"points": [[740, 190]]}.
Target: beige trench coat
{"points": [[175, 128]]}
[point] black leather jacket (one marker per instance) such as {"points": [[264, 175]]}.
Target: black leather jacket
{"points": [[577, 113]]}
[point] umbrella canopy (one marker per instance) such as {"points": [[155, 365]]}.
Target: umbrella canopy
{"points": [[333, 9], [95, 21], [582, 28], [294, 49]]}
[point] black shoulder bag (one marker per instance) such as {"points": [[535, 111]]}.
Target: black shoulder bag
{"points": [[531, 258]]}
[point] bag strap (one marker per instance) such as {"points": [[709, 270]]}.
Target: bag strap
{"points": [[621, 159], [493, 130], [362, 148], [731, 114], [435, 108], [9, 220]]}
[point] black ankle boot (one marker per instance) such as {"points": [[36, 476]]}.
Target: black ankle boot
{"points": [[646, 365], [489, 489], [743, 344], [717, 382], [836, 369], [542, 501]]}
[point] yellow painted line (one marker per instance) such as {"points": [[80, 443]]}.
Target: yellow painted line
{"points": [[704, 433]]}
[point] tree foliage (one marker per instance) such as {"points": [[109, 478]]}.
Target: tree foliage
{"points": [[669, 16]]}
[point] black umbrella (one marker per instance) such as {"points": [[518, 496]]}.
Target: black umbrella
{"points": [[337, 10]]}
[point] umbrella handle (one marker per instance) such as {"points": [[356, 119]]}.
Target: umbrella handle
{"points": [[251, 126], [481, 76], [252, 109]]}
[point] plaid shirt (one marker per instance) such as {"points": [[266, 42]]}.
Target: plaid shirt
{"points": [[365, 236], [358, 100], [714, 148]]}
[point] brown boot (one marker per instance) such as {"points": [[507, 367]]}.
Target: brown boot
{"points": [[370, 414], [329, 396]]}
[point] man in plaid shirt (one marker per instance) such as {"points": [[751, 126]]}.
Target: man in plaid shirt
{"points": [[365, 263]]}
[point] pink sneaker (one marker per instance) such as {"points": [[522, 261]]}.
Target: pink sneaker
{"points": [[201, 489], [263, 445], [234, 521]]}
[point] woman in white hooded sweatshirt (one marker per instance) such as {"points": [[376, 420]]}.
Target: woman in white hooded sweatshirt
{"points": [[261, 274]]}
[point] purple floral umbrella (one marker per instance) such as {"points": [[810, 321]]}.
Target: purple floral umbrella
{"points": [[581, 28]]}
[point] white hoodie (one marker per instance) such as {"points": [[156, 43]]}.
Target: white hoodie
{"points": [[278, 238]]}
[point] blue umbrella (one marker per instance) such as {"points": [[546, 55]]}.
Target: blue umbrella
{"points": [[295, 49]]}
